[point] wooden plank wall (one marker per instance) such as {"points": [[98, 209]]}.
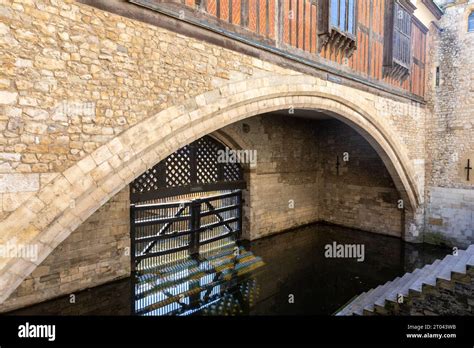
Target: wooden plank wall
{"points": [[417, 76], [299, 24], [298, 29], [257, 16]]}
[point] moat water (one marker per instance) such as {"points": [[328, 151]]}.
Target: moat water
{"points": [[285, 274]]}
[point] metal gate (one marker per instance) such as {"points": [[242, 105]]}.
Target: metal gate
{"points": [[164, 232], [185, 218], [185, 204]]}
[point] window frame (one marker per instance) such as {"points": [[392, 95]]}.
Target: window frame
{"points": [[345, 31], [328, 32], [470, 22], [392, 65]]}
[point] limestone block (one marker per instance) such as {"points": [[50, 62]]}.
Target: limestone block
{"points": [[8, 98], [7, 156], [19, 183], [11, 201], [101, 155]]}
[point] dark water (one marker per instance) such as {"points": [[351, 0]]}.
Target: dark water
{"points": [[296, 278]]}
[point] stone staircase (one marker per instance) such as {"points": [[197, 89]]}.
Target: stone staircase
{"points": [[436, 280]]}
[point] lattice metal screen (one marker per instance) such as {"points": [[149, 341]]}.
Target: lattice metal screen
{"points": [[193, 168], [178, 168], [206, 161]]}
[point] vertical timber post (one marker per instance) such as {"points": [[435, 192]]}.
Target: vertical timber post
{"points": [[279, 23]]}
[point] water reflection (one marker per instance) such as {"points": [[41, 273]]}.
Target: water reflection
{"points": [[260, 279], [216, 282], [296, 265]]}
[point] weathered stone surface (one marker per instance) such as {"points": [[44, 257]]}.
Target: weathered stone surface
{"points": [[19, 182], [7, 97], [296, 161], [104, 239], [450, 140]]}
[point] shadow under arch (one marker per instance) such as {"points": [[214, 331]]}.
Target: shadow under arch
{"points": [[153, 139]]}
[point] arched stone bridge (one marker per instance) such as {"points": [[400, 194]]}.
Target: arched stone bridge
{"points": [[153, 91]]}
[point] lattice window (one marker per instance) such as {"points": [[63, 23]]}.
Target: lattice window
{"points": [[148, 181], [397, 47], [232, 172]]}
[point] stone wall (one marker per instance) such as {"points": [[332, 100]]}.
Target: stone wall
{"points": [[295, 181], [283, 185], [73, 78], [362, 194], [96, 253], [450, 130]]}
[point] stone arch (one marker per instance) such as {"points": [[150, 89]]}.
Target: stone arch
{"points": [[59, 208], [234, 141]]}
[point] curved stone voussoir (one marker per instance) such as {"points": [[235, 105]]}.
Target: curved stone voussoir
{"points": [[74, 195]]}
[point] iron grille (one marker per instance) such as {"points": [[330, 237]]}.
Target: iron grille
{"points": [[193, 168]]}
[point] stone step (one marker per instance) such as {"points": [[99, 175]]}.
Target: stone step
{"points": [[444, 272], [347, 310], [357, 301], [381, 299], [369, 299], [446, 262], [405, 288], [427, 271], [460, 266], [470, 262], [414, 281], [392, 284], [393, 292]]}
